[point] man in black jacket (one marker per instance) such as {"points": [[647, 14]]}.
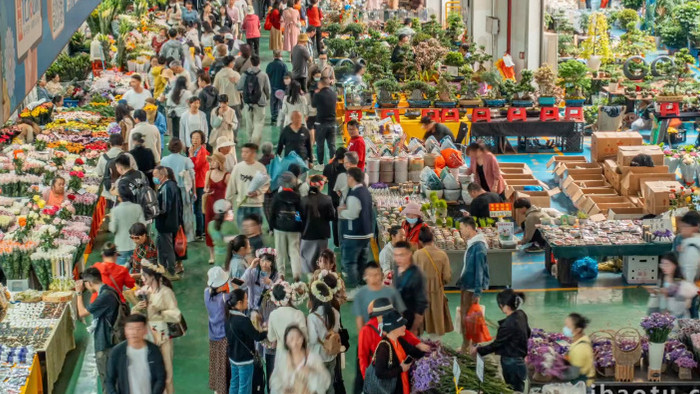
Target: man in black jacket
{"points": [[135, 365], [295, 137], [410, 282], [169, 220], [331, 172], [128, 176], [208, 96], [434, 129], [286, 222], [325, 100], [479, 208]]}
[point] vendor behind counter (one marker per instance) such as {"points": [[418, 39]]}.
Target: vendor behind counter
{"points": [[479, 207]]}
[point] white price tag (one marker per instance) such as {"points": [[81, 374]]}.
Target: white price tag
{"points": [[480, 368], [456, 370]]}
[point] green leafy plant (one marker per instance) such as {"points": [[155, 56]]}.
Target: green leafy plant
{"points": [[635, 42], [392, 25], [493, 78], [632, 4], [598, 41], [524, 88], [566, 45], [340, 47], [354, 29], [377, 57], [627, 16], [71, 68], [333, 29], [546, 81], [432, 27], [672, 34], [454, 59], [445, 90], [469, 89], [687, 14], [386, 88], [674, 73], [508, 89], [455, 26], [573, 76], [420, 37], [418, 90]]}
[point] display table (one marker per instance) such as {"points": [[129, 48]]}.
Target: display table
{"points": [[48, 327], [566, 255], [569, 134]]}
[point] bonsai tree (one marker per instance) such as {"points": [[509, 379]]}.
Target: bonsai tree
{"points": [[627, 16], [445, 90], [469, 89], [455, 26], [427, 55], [340, 47], [508, 89], [632, 4], [418, 90], [354, 29], [454, 59], [635, 42], [386, 88], [392, 25], [674, 73], [377, 56], [573, 76], [333, 29], [546, 81], [494, 79], [524, 88], [597, 45]]}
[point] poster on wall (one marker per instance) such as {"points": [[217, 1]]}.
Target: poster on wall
{"points": [[32, 33]]}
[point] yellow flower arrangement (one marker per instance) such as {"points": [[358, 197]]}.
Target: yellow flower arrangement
{"points": [[117, 97], [150, 107]]}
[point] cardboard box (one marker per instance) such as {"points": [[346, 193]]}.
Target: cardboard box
{"points": [[612, 173], [541, 199], [581, 179], [625, 154], [656, 195], [508, 177], [605, 144], [580, 196], [561, 159], [626, 213], [591, 200], [632, 176], [575, 168], [574, 187], [521, 167], [605, 208]]}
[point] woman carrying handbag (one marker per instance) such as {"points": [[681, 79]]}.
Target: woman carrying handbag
{"points": [[436, 267]]}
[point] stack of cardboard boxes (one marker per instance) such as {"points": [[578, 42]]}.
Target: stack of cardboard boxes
{"points": [[615, 151], [518, 177]]}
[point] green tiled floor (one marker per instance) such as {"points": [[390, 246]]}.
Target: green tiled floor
{"points": [[608, 308]]}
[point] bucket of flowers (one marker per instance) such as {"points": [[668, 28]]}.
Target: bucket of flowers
{"points": [[546, 355], [658, 326]]}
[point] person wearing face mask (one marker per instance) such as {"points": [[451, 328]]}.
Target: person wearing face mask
{"points": [[324, 67], [413, 222], [511, 339], [580, 354]]}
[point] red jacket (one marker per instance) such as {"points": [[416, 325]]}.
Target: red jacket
{"points": [[412, 233], [357, 144], [201, 166], [315, 15], [120, 275], [368, 340]]}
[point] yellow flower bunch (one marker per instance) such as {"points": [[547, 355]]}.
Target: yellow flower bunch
{"points": [[150, 107], [117, 97]]}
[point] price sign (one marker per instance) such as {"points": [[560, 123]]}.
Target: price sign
{"points": [[659, 224], [502, 209], [480, 368], [506, 229]]}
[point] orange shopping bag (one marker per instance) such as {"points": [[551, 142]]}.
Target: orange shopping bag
{"points": [[180, 243], [475, 325]]}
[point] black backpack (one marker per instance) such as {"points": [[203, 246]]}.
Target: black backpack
{"points": [[252, 91], [209, 98], [288, 217], [123, 312], [110, 175], [146, 197]]}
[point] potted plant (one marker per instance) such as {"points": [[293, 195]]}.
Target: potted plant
{"points": [[387, 90], [673, 73], [445, 94], [524, 90], [333, 29], [428, 53], [685, 365], [340, 48], [494, 97], [627, 16], [343, 69], [453, 61], [455, 28], [354, 29], [546, 86], [419, 94], [468, 89], [596, 48], [672, 34], [573, 77], [635, 42]]}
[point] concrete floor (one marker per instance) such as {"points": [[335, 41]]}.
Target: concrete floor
{"points": [[608, 301]]}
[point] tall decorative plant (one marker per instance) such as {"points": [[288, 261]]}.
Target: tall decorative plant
{"points": [[597, 45]]}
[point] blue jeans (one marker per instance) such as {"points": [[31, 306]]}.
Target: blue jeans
{"points": [[242, 212], [124, 258], [514, 372], [198, 214], [353, 259], [275, 105], [241, 379]]}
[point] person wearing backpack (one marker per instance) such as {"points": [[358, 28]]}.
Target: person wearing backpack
{"points": [[172, 49], [323, 324], [138, 184], [208, 95], [287, 225], [255, 86], [122, 217], [106, 167], [104, 311]]}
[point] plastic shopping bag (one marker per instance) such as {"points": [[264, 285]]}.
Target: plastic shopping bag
{"points": [[453, 157], [475, 325], [180, 243]]}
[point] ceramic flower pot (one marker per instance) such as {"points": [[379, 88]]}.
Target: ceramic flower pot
{"points": [[594, 62], [547, 101], [494, 103], [656, 355]]}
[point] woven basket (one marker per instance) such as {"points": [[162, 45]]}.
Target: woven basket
{"points": [[627, 357], [604, 335]]}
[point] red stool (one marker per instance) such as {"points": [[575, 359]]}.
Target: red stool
{"points": [[450, 114], [574, 113], [481, 114], [549, 113], [667, 109], [434, 114], [351, 114], [390, 113], [517, 113]]}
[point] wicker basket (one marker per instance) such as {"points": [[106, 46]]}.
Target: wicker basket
{"points": [[685, 374], [602, 335], [538, 377], [626, 359]]}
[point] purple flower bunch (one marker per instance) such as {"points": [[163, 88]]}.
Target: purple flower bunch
{"points": [[626, 345], [686, 362], [114, 128], [603, 352], [546, 352], [658, 326], [426, 370], [675, 354]]}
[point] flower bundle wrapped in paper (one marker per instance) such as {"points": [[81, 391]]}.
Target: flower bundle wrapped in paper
{"points": [[259, 180]]}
